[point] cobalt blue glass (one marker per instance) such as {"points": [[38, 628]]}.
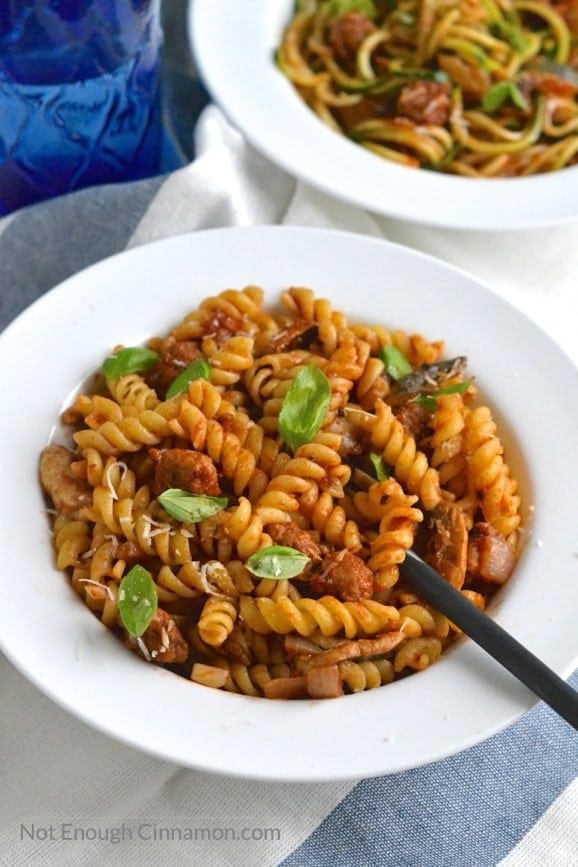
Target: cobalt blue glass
{"points": [[79, 95]]}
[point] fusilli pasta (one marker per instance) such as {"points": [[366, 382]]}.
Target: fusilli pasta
{"points": [[268, 518]]}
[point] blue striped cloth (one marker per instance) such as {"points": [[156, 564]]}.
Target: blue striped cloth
{"points": [[71, 796]]}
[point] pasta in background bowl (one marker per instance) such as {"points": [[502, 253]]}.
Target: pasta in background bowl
{"points": [[474, 99], [76, 660], [478, 89]]}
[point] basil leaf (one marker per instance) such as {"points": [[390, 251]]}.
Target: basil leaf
{"points": [[395, 362], [190, 508], [381, 470], [137, 600], [132, 359], [277, 562], [428, 401], [497, 95], [199, 369], [366, 7], [304, 407], [455, 388]]}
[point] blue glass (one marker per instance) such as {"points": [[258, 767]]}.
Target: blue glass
{"points": [[79, 95]]}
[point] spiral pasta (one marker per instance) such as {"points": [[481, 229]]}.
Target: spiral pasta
{"points": [[230, 360], [447, 442], [397, 523], [489, 475], [227, 313], [268, 501], [217, 620], [331, 521], [129, 434], [72, 539], [417, 653], [369, 674], [399, 449], [327, 614], [132, 390]]}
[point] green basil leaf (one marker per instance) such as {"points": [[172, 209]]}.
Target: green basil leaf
{"points": [[199, 369], [304, 407], [137, 600], [497, 95], [395, 363], [381, 469], [366, 7], [190, 508], [428, 401], [518, 98], [277, 562], [132, 359], [455, 388]]}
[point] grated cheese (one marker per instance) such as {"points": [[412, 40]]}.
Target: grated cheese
{"points": [[207, 571], [107, 479], [143, 649], [98, 584]]}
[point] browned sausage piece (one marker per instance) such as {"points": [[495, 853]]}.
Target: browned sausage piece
{"points": [[177, 356], [425, 102], [347, 33], [294, 537], [163, 639], [447, 547], [185, 469], [490, 557], [67, 492], [360, 648], [298, 335], [324, 682], [414, 419], [344, 575]]}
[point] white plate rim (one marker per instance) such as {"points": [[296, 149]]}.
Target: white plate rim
{"points": [[73, 656], [232, 47]]}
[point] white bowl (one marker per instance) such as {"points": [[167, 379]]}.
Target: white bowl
{"points": [[233, 45], [61, 647]]}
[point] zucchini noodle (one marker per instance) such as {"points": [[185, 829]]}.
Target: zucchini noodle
{"points": [[477, 88]]}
